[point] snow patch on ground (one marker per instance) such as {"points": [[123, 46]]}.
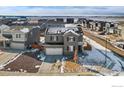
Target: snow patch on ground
{"points": [[98, 55]]}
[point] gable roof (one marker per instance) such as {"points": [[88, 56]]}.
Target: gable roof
{"points": [[4, 27], [25, 30], [71, 32]]}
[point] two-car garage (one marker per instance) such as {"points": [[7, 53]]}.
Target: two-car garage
{"points": [[54, 51]]}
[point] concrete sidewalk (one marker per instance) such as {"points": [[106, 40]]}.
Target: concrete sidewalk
{"points": [[45, 67]]}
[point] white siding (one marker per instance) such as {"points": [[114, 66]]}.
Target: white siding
{"points": [[75, 20], [54, 51], [23, 37], [111, 31], [80, 43]]}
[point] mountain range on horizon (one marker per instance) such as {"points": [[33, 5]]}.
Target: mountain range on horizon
{"points": [[62, 10]]}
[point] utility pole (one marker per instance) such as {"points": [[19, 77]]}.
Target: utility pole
{"points": [[106, 48]]}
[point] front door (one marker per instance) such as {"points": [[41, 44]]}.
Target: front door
{"points": [[71, 48], [80, 48]]}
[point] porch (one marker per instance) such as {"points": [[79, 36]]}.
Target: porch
{"points": [[4, 42]]}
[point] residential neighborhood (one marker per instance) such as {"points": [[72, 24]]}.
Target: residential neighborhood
{"points": [[62, 45]]}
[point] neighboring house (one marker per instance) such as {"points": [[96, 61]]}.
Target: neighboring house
{"points": [[6, 31], [121, 27], [4, 27], [23, 38], [84, 23], [19, 38], [34, 36], [18, 22], [33, 21], [97, 26], [92, 26], [59, 19], [70, 25], [62, 40], [107, 27], [112, 28], [4, 41], [52, 23], [7, 21]]}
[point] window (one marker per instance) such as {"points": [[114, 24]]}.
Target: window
{"points": [[57, 38], [51, 38], [70, 39], [54, 38], [67, 38], [73, 38], [18, 35]]}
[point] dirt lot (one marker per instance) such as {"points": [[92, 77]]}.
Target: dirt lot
{"points": [[27, 62]]}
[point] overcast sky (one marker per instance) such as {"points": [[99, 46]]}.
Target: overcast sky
{"points": [[61, 10]]}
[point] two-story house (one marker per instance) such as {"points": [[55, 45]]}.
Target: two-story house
{"points": [[62, 40], [25, 37], [19, 38], [4, 29]]}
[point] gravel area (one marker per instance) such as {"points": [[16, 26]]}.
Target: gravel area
{"points": [[27, 62]]}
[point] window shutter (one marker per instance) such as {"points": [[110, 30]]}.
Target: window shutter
{"points": [[73, 38], [67, 38], [50, 38], [56, 38]]}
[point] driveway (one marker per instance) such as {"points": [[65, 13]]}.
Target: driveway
{"points": [[5, 56]]}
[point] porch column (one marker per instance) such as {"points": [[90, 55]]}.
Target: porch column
{"points": [[4, 44]]}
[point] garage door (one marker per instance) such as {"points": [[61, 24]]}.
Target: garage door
{"points": [[54, 51], [17, 45]]}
